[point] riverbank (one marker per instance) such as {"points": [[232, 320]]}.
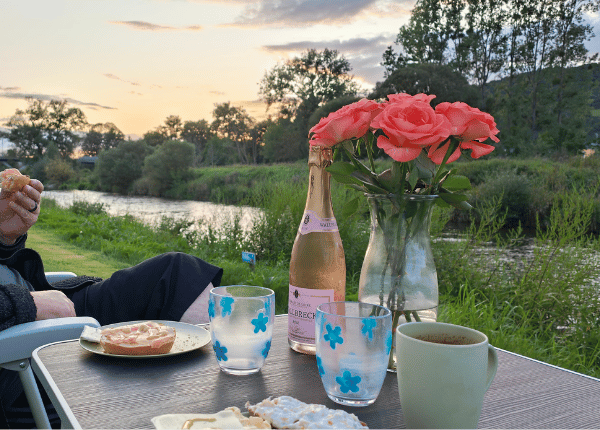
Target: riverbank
{"points": [[527, 188], [543, 309]]}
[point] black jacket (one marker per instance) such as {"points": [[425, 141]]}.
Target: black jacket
{"points": [[16, 303]]}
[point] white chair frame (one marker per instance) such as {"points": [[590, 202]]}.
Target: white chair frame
{"points": [[18, 342]]}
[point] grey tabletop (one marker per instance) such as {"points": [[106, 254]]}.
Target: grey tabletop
{"points": [[96, 391]]}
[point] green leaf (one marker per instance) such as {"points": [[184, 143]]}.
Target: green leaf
{"points": [[459, 201], [386, 180], [426, 168], [457, 183], [345, 179], [413, 178], [341, 168], [350, 207]]}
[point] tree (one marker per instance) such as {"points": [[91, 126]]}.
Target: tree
{"points": [[169, 164], [101, 137], [118, 168], [311, 79], [172, 129], [219, 151], [42, 122], [257, 134], [432, 35], [447, 84], [281, 142], [198, 133], [154, 138], [485, 44], [569, 46], [234, 124], [304, 83]]}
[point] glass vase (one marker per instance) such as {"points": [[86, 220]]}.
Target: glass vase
{"points": [[398, 270]]}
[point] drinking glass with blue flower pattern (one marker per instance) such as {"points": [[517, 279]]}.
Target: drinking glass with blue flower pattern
{"points": [[241, 327], [353, 342]]}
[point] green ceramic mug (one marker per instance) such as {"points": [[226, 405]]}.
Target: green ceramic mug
{"points": [[443, 373]]}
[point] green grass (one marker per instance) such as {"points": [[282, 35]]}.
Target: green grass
{"points": [[541, 307], [59, 255]]}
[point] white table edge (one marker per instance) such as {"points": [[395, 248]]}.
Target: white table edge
{"points": [[67, 418], [549, 365]]}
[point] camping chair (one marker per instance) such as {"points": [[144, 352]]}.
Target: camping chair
{"points": [[18, 342]]}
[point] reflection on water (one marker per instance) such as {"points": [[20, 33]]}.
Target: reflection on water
{"points": [[150, 210]]}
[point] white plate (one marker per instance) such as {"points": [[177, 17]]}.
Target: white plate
{"points": [[189, 337]]}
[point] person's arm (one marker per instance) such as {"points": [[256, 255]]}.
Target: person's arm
{"points": [[17, 306], [8, 250]]}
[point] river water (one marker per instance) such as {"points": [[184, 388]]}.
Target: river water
{"points": [[151, 210]]}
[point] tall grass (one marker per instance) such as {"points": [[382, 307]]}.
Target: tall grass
{"points": [[542, 304]]}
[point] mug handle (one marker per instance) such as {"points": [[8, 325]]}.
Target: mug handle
{"points": [[492, 365]]}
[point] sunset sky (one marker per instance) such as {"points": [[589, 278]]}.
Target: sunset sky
{"points": [[135, 62]]}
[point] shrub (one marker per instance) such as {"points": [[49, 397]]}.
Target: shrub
{"points": [[81, 207], [168, 165], [59, 171], [120, 167]]}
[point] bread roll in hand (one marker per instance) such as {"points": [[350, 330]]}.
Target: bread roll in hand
{"points": [[12, 180]]}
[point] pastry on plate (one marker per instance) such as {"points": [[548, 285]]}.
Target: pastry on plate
{"points": [[289, 413], [145, 338]]}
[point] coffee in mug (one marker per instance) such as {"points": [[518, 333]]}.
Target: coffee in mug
{"points": [[443, 372], [447, 340]]}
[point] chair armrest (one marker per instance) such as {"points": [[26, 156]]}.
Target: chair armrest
{"points": [[59, 276], [18, 342]]}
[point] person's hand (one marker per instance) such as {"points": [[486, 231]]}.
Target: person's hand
{"points": [[16, 215], [52, 304]]}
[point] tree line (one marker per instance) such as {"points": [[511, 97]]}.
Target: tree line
{"points": [[523, 61]]}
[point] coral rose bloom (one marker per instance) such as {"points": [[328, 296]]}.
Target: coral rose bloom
{"points": [[409, 124], [349, 122], [469, 125], [400, 97]]}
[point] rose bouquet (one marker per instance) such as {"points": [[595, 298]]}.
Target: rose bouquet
{"points": [[421, 140], [398, 271]]}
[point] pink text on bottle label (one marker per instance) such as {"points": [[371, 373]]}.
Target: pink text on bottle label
{"points": [[311, 223], [302, 307]]}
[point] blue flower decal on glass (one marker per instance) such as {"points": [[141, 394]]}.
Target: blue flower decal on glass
{"points": [[220, 350], [333, 335], [226, 303], [368, 326], [268, 306], [260, 323], [320, 366], [266, 349], [211, 308], [388, 343], [348, 382]]}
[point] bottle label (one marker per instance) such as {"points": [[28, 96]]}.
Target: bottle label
{"points": [[311, 222], [302, 307]]}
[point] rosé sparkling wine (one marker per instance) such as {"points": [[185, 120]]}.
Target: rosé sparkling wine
{"points": [[317, 266]]}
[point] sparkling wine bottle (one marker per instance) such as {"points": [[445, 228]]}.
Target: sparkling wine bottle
{"points": [[317, 266]]}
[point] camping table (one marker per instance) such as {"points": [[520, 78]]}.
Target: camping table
{"points": [[94, 391]]}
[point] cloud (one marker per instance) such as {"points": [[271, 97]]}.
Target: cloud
{"points": [[148, 26], [9, 88], [300, 13], [111, 76], [364, 54], [46, 97]]}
